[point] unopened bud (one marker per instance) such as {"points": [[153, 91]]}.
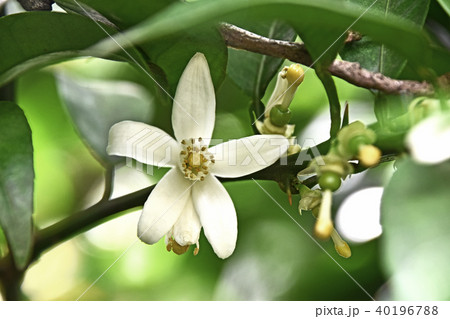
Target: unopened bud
{"points": [[369, 155], [342, 248], [288, 80], [324, 224]]}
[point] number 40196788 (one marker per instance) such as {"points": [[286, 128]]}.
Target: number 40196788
{"points": [[410, 310]]}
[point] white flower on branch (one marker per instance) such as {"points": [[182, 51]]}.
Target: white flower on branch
{"points": [[190, 196], [428, 141]]}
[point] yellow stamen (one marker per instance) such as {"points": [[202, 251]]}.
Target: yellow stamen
{"points": [[176, 248]]}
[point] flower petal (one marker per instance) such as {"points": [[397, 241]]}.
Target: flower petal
{"points": [[247, 155], [194, 105], [428, 141], [186, 230], [164, 206], [217, 215], [145, 143]]}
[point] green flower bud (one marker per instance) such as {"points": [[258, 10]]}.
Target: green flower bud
{"points": [[330, 181], [352, 137], [279, 116]]}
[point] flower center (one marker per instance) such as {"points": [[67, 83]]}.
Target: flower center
{"points": [[195, 159]]}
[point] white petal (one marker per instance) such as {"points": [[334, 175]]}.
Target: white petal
{"points": [[194, 105], [428, 141], [217, 215], [145, 143], [187, 228], [164, 206], [247, 155]]}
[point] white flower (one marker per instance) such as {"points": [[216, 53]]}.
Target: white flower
{"points": [[428, 141], [190, 196]]}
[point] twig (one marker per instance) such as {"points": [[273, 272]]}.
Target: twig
{"points": [[109, 180], [86, 219], [352, 72]]}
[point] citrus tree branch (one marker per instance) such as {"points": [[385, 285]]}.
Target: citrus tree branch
{"points": [[351, 72]]}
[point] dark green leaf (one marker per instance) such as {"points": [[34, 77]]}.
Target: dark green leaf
{"points": [[16, 181], [123, 13], [377, 57], [323, 45], [416, 223], [95, 106], [172, 54], [445, 4], [252, 72], [408, 40], [35, 39]]}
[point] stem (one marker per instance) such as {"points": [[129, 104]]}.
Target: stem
{"points": [[335, 106], [11, 279], [86, 219], [109, 179]]}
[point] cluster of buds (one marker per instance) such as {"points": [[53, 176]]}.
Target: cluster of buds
{"points": [[330, 169], [355, 141], [277, 114]]}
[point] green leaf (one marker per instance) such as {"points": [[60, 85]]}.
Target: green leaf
{"points": [[378, 57], [323, 44], [123, 13], [95, 106], [445, 4], [168, 56], [16, 181], [253, 72], [35, 39], [173, 53], [416, 223], [407, 39]]}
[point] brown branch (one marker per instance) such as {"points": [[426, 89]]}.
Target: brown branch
{"points": [[36, 5], [351, 72]]}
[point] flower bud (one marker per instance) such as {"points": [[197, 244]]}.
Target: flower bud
{"points": [[288, 80], [342, 248], [351, 137], [324, 224], [369, 155]]}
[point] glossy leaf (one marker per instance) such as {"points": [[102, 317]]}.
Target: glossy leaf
{"points": [[123, 13], [378, 57], [445, 4], [35, 39], [95, 106], [252, 72], [408, 40], [172, 54], [16, 181], [416, 220], [169, 56]]}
